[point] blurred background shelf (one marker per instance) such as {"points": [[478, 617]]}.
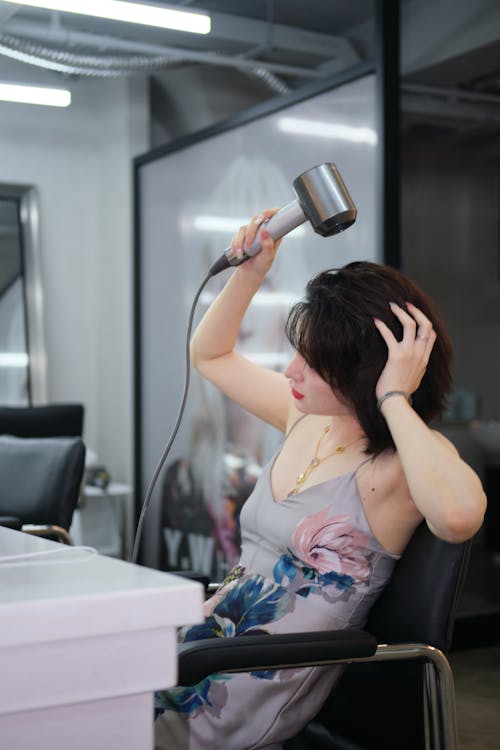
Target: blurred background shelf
{"points": [[104, 519]]}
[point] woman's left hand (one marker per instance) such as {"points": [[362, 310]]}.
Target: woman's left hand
{"points": [[407, 359]]}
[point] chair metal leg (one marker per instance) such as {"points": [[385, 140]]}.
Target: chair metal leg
{"points": [[431, 705], [446, 703], [442, 689]]}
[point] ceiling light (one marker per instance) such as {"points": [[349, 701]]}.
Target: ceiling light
{"points": [[270, 359], [117, 10], [262, 298], [328, 130], [210, 223], [10, 92], [13, 359]]}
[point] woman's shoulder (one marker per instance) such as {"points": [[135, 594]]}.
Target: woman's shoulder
{"points": [[388, 502], [384, 479]]}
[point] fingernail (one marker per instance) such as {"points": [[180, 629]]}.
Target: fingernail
{"points": [[264, 234]]}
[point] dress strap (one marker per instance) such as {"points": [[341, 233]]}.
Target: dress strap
{"points": [[294, 425], [273, 461], [365, 461]]}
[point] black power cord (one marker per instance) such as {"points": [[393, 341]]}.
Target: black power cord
{"points": [[218, 266]]}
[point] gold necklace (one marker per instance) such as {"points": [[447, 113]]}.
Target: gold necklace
{"points": [[316, 461]]}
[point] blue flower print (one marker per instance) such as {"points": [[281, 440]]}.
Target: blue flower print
{"points": [[208, 695], [253, 603], [304, 580], [247, 607]]}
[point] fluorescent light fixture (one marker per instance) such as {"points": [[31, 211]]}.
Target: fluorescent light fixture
{"points": [[117, 10], [230, 224], [13, 359], [328, 130], [218, 223], [10, 92], [270, 359], [262, 298]]}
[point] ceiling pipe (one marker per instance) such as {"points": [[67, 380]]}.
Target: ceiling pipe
{"points": [[22, 33], [115, 66], [450, 93]]}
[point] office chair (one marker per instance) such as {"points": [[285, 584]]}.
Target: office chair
{"points": [[397, 692], [40, 482], [53, 420]]}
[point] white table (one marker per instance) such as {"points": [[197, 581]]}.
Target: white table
{"points": [[84, 640]]}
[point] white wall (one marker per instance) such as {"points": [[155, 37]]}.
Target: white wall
{"points": [[80, 160]]}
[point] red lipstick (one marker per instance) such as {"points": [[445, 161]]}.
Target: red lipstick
{"points": [[297, 395]]}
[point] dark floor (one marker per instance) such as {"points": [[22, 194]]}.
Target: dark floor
{"points": [[477, 687], [475, 660]]}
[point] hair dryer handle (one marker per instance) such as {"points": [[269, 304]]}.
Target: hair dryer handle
{"points": [[289, 217]]}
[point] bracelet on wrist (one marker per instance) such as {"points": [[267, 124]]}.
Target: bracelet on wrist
{"points": [[389, 394]]}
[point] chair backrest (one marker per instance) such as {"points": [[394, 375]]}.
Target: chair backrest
{"points": [[40, 478], [419, 603], [53, 420]]}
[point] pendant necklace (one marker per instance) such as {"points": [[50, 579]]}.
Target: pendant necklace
{"points": [[316, 461]]}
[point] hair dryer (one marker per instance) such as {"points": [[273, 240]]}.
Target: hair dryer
{"points": [[322, 198]]}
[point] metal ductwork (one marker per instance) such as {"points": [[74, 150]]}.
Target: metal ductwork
{"points": [[112, 66]]}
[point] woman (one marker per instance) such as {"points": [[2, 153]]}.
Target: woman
{"points": [[358, 471]]}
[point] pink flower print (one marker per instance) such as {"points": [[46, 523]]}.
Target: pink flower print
{"points": [[330, 543]]}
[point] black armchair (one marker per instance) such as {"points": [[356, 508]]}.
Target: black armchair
{"points": [[52, 420], [40, 482], [397, 691]]}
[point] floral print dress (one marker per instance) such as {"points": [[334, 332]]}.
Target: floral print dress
{"points": [[308, 562]]}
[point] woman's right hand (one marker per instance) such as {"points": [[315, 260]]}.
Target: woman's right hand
{"points": [[244, 237]]}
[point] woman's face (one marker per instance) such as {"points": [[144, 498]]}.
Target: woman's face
{"points": [[312, 394]]}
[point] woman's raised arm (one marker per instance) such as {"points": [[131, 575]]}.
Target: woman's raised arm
{"points": [[259, 390], [446, 491]]}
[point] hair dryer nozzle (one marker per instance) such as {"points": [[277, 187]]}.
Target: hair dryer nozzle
{"points": [[325, 200]]}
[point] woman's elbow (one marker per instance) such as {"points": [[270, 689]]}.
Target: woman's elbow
{"points": [[196, 357], [462, 524]]}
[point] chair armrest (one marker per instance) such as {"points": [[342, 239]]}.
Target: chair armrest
{"points": [[48, 531], [197, 659], [11, 522]]}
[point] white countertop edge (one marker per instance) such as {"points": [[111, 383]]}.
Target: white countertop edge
{"points": [[99, 614]]}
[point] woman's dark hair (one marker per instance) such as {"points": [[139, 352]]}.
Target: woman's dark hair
{"points": [[333, 330]]}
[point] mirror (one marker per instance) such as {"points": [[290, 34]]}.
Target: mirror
{"points": [[22, 351]]}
